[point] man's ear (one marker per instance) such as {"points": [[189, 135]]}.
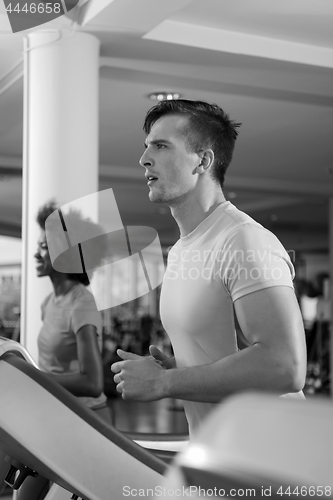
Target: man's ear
{"points": [[206, 161]]}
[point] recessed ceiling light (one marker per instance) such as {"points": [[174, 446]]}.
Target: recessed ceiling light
{"points": [[164, 96]]}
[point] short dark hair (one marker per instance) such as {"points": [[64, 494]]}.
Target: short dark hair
{"points": [[208, 127], [76, 220]]}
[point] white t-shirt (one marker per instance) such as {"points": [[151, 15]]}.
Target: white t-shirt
{"points": [[62, 317], [227, 256]]}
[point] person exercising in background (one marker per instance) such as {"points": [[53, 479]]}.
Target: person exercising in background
{"points": [[226, 273], [70, 340]]}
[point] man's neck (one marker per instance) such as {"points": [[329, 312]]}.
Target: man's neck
{"points": [[191, 213]]}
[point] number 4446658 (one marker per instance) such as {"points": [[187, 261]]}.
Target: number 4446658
{"points": [[305, 491], [32, 8]]}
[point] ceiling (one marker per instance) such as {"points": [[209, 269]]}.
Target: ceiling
{"points": [[267, 63]]}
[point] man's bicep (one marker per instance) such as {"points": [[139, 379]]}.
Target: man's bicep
{"points": [[271, 317]]}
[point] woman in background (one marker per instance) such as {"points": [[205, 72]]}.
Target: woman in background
{"points": [[70, 340]]}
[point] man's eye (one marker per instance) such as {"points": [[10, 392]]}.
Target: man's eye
{"points": [[159, 146]]}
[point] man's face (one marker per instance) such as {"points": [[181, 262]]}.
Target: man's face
{"points": [[42, 256], [169, 162]]}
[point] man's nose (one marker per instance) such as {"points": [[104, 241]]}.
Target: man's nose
{"points": [[145, 161]]}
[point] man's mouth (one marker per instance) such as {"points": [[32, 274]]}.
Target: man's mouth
{"points": [[151, 179]]}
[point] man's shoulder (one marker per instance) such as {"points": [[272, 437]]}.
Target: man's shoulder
{"points": [[232, 218], [238, 230], [231, 221]]}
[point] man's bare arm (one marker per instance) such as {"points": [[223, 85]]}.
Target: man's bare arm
{"points": [[270, 320]]}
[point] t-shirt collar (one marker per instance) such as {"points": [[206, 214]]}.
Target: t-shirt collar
{"points": [[205, 224]]}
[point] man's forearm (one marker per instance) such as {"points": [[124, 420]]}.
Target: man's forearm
{"points": [[253, 368]]}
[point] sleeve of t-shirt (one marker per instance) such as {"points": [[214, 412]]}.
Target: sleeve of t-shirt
{"points": [[85, 313], [254, 259]]}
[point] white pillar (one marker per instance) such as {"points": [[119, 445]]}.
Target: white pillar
{"points": [[60, 148]]}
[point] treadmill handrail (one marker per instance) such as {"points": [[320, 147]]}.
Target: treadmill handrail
{"points": [[8, 345], [85, 413]]}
